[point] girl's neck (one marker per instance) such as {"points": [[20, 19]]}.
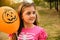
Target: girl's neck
{"points": [[26, 25]]}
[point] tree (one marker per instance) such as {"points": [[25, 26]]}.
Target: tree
{"points": [[56, 3]]}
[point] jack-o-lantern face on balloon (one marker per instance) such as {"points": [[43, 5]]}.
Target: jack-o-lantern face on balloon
{"points": [[8, 16]]}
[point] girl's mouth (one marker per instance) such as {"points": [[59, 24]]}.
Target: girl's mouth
{"points": [[31, 19]]}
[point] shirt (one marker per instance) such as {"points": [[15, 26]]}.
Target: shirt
{"points": [[35, 33]]}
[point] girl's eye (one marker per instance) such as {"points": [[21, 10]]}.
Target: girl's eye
{"points": [[28, 13], [33, 12]]}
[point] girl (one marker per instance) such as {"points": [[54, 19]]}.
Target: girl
{"points": [[28, 29]]}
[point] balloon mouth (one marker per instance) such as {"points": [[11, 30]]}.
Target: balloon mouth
{"points": [[9, 16]]}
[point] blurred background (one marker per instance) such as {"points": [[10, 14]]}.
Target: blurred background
{"points": [[49, 13]]}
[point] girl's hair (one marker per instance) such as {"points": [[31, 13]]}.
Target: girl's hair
{"points": [[20, 10], [24, 5]]}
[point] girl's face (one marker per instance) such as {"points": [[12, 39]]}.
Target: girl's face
{"points": [[29, 15]]}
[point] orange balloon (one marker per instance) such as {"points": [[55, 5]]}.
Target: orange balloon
{"points": [[9, 20]]}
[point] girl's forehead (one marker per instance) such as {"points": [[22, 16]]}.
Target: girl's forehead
{"points": [[30, 8]]}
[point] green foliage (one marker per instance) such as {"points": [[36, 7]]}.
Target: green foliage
{"points": [[41, 3], [4, 2], [37, 2], [9, 3]]}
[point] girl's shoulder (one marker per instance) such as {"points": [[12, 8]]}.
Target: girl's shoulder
{"points": [[39, 28], [42, 32]]}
